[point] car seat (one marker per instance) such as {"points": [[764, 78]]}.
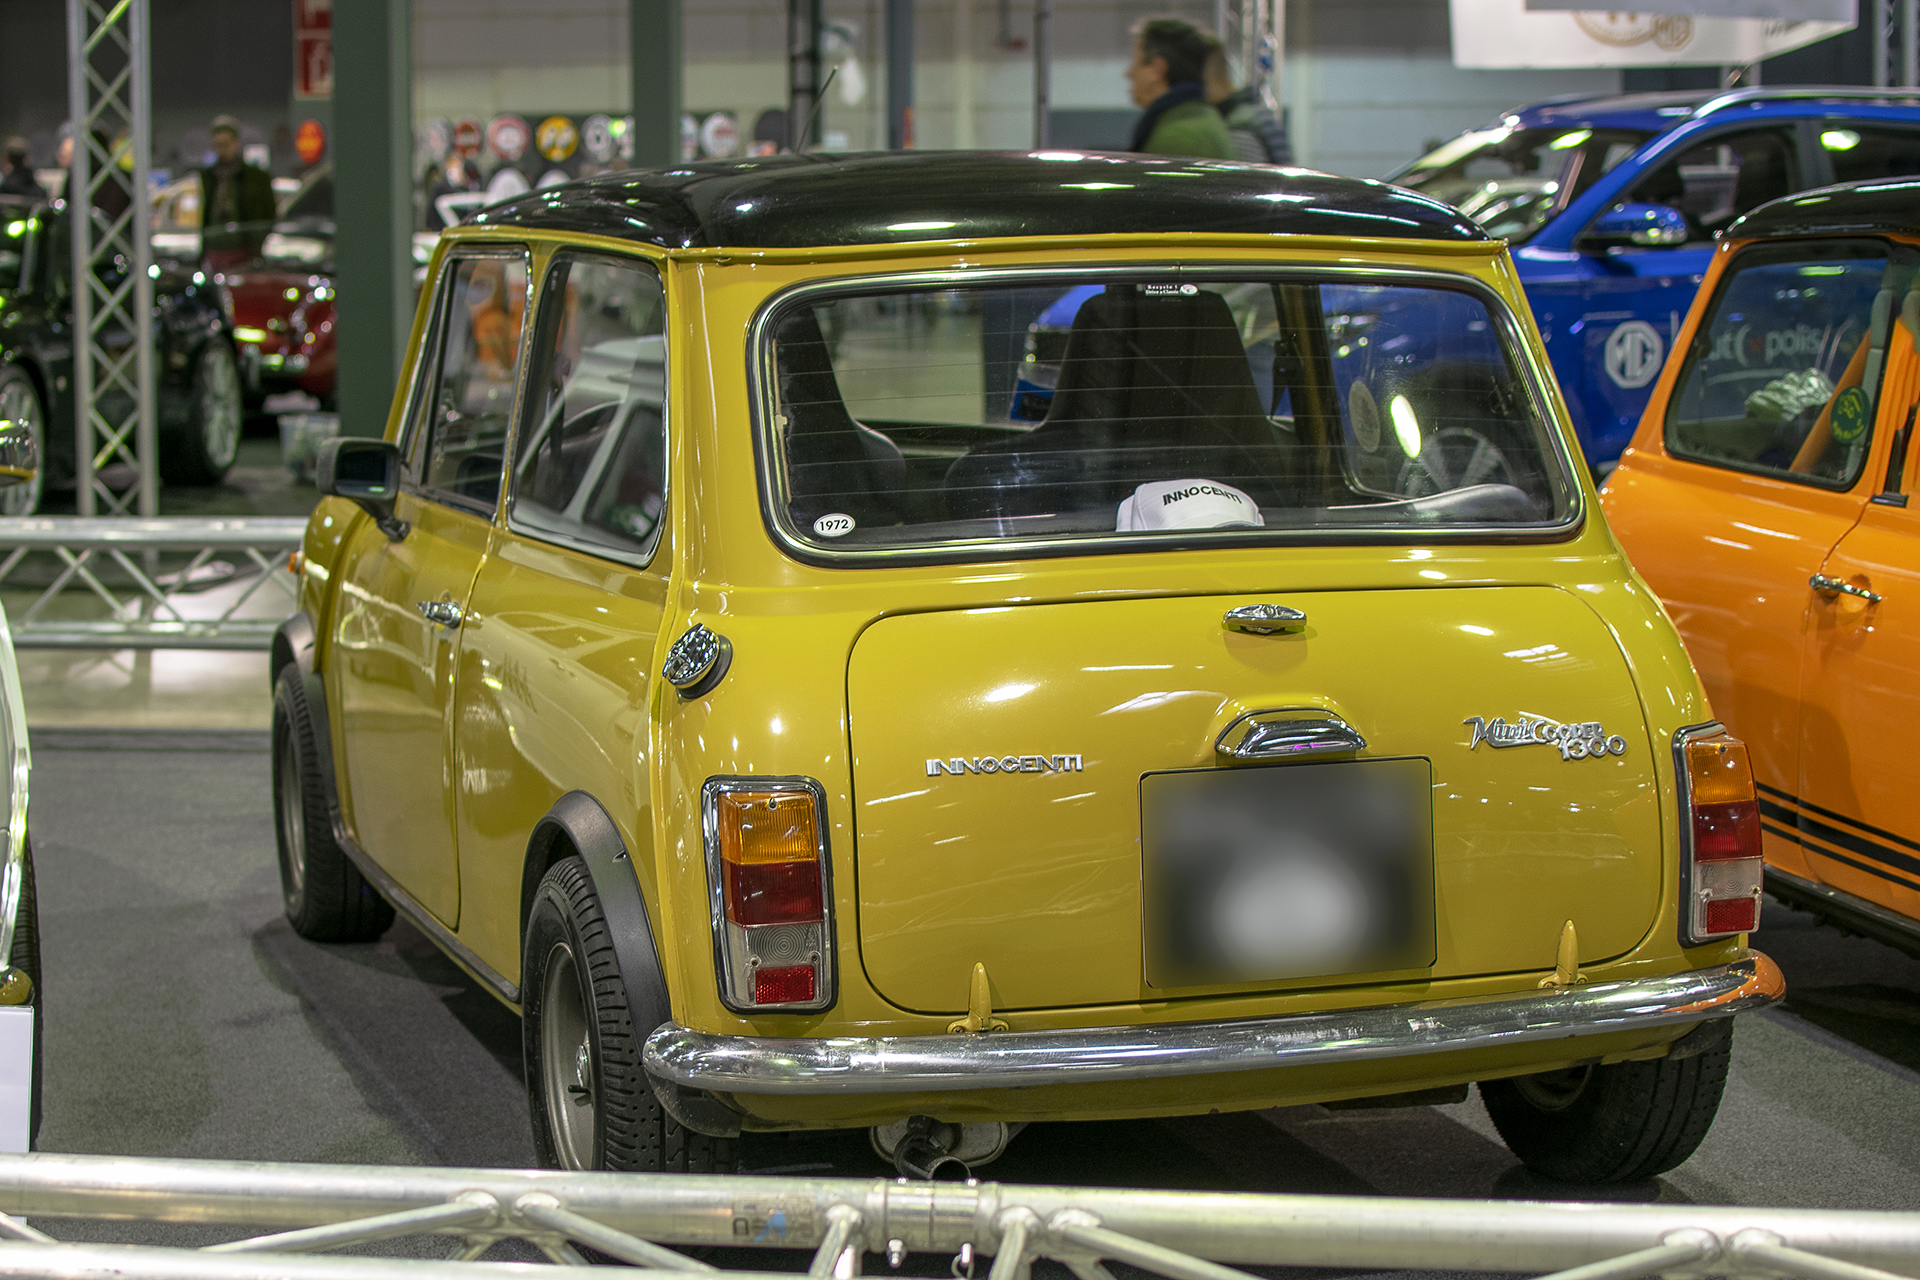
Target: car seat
{"points": [[834, 464], [1153, 386]]}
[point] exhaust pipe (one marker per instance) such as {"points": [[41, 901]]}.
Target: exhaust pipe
{"points": [[937, 1151]]}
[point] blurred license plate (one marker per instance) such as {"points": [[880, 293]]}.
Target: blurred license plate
{"points": [[1287, 871]]}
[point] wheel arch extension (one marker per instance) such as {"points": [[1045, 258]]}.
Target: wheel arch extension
{"points": [[293, 642], [578, 824]]}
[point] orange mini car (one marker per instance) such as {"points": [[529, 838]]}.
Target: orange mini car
{"points": [[1765, 498]]}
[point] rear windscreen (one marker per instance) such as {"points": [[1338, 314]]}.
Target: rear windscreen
{"points": [[1152, 408]]}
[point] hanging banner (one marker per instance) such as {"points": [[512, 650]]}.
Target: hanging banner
{"points": [[1507, 33], [1846, 11], [313, 49]]}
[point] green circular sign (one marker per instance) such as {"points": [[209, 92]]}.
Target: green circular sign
{"points": [[1850, 415]]}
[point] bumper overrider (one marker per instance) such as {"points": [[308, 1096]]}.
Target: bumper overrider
{"points": [[852, 1065]]}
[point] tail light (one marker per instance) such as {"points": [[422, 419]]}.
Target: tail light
{"points": [[768, 879], [1720, 865]]}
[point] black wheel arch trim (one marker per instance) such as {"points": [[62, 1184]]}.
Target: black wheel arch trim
{"points": [[293, 641], [314, 687], [582, 822]]}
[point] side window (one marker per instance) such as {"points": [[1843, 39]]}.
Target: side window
{"points": [[1783, 377], [590, 467], [471, 405], [1722, 178], [1861, 153]]}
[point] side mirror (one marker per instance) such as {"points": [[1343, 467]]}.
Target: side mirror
{"points": [[1636, 226], [19, 460], [364, 472]]}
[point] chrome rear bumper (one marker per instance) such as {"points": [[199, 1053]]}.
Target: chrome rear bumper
{"points": [[1015, 1059]]}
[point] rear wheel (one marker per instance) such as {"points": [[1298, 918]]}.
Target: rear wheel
{"points": [[587, 1092], [326, 897], [20, 404], [1615, 1123], [208, 444]]}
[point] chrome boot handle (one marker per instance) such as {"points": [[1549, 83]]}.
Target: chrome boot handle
{"points": [[1264, 619], [1827, 585], [1290, 733], [444, 613]]}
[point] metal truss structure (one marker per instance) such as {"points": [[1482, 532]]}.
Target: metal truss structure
{"points": [[304, 1211], [175, 583], [109, 90]]}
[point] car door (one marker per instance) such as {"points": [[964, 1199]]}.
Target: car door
{"points": [[402, 601], [1856, 813], [1610, 322], [557, 660]]}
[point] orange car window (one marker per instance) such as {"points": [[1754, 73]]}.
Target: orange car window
{"points": [[1784, 376]]}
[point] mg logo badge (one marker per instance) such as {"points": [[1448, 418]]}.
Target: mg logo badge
{"points": [[1634, 352]]}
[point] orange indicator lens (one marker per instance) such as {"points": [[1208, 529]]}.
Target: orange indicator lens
{"points": [[1718, 772], [770, 857]]}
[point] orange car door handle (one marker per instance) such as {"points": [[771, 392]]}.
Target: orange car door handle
{"points": [[1827, 586]]}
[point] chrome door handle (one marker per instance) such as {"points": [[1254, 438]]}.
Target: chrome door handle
{"points": [[1827, 585], [444, 613], [1288, 734], [1264, 619]]}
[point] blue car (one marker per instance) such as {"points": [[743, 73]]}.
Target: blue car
{"points": [[1613, 206]]}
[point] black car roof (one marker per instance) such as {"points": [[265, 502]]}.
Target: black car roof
{"points": [[1878, 207], [804, 201]]}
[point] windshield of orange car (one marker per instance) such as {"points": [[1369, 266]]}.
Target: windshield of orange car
{"points": [[1165, 405], [1512, 180], [1783, 378]]}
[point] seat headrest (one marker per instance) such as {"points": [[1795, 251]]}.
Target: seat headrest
{"points": [[1167, 358]]}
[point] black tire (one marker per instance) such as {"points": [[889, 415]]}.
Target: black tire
{"points": [[326, 897], [25, 957], [202, 451], [20, 402], [1617, 1123], [581, 1049]]}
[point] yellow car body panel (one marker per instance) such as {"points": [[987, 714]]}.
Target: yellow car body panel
{"points": [[1429, 634]]}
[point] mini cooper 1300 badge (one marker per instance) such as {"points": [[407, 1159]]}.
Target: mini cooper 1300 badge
{"points": [[1575, 741]]}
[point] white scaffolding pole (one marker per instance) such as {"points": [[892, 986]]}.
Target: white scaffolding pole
{"points": [[109, 97]]}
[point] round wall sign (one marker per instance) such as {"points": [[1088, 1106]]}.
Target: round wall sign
{"points": [[467, 138], [508, 136], [556, 138]]}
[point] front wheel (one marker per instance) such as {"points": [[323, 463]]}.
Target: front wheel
{"points": [[20, 404], [587, 1092], [207, 446], [1615, 1123], [326, 897]]}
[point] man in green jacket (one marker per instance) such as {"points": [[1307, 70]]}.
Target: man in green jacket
{"points": [[237, 204], [1166, 75]]}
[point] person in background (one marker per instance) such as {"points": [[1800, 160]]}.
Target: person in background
{"points": [[18, 180], [1169, 61], [238, 207], [1257, 137]]}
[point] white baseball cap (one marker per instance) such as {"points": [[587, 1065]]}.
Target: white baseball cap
{"points": [[1187, 504]]}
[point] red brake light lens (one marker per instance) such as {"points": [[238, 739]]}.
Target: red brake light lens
{"points": [[1730, 830], [774, 893], [788, 984]]}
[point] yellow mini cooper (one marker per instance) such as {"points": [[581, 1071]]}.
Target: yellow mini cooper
{"points": [[930, 643]]}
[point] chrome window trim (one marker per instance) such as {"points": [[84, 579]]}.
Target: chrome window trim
{"points": [[410, 483], [710, 840], [770, 464], [524, 410]]}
